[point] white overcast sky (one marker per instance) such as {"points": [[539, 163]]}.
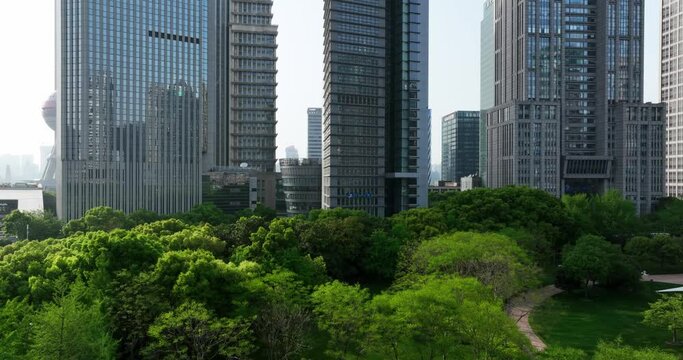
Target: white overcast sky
{"points": [[27, 67]]}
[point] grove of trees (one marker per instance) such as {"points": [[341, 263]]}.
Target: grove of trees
{"points": [[336, 284]]}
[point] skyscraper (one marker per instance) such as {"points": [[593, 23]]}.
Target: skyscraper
{"points": [[252, 94], [672, 95], [315, 133], [291, 152], [460, 145], [376, 119], [152, 95], [487, 76], [132, 84], [568, 114]]}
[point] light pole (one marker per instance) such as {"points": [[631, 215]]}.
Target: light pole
{"points": [[26, 231]]}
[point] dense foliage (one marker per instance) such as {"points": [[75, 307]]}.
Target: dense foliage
{"points": [[206, 284]]}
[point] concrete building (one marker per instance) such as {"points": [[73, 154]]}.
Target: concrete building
{"points": [[376, 118], [672, 94], [487, 79], [315, 133], [470, 182], [302, 185], [252, 90], [236, 189], [460, 145], [568, 95]]}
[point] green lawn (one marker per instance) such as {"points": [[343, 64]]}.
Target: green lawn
{"points": [[571, 320]]}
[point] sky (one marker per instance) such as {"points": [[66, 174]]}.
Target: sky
{"points": [[27, 67]]}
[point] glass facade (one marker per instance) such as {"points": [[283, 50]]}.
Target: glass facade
{"points": [[375, 114], [302, 185], [132, 94], [460, 145]]}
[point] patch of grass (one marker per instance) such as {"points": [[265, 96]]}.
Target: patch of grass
{"points": [[571, 320]]}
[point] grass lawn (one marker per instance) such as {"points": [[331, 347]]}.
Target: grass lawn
{"points": [[571, 320]]}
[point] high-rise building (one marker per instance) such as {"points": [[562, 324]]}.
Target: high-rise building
{"points": [[252, 94], [131, 104], [460, 145], [291, 152], [376, 119], [487, 79], [153, 95], [672, 10], [315, 133], [568, 115]]}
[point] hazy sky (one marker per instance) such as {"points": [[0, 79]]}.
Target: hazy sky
{"points": [[27, 67]]}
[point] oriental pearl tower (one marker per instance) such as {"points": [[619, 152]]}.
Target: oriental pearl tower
{"points": [[50, 117]]}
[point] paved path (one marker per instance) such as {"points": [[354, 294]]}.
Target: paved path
{"points": [[521, 307], [669, 279]]}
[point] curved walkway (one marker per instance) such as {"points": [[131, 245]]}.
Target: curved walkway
{"points": [[669, 279], [521, 306]]}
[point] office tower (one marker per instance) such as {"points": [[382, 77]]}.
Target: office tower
{"points": [[487, 77], [376, 119], [672, 95], [251, 91], [131, 104], [460, 145], [291, 152], [302, 185], [568, 114], [315, 133]]}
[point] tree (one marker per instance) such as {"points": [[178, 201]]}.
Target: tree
{"points": [[443, 317], [341, 312], [617, 351], [15, 328], [594, 260], [666, 312], [97, 219], [493, 259], [660, 254], [69, 329], [282, 328], [666, 218], [193, 332], [40, 225], [608, 215]]}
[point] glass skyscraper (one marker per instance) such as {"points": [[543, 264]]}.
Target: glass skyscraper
{"points": [[460, 145], [132, 94], [152, 94], [568, 115], [376, 118]]}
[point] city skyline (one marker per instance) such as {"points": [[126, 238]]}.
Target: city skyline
{"points": [[22, 129]]}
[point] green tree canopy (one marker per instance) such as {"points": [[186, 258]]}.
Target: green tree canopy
{"points": [[667, 313], [40, 225], [493, 259], [193, 332]]}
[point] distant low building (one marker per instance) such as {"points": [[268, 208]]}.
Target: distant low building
{"points": [[20, 196], [471, 182], [236, 189], [445, 186], [302, 185]]}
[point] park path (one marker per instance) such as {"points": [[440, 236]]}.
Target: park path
{"points": [[668, 279], [521, 306]]}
